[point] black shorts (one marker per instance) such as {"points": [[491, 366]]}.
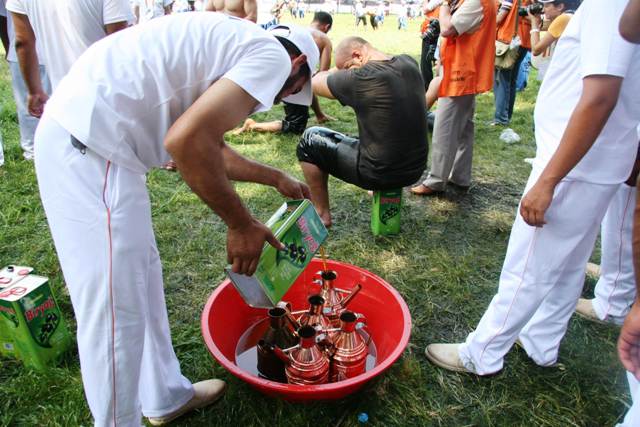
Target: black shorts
{"points": [[333, 152], [295, 119]]}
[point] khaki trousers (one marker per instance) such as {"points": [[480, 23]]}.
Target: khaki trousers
{"points": [[452, 149]]}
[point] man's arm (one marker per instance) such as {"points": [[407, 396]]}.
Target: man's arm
{"points": [[195, 142], [630, 22], [446, 28], [320, 86], [115, 27], [251, 9], [503, 12], [629, 340], [598, 99], [29, 66]]}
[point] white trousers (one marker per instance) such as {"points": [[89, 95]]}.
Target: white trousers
{"points": [[616, 288], [632, 419], [100, 220], [26, 121], [541, 279]]}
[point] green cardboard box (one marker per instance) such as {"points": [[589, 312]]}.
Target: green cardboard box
{"points": [[297, 225], [30, 317], [9, 276]]}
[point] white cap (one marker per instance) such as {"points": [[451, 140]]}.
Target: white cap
{"points": [[302, 39]]}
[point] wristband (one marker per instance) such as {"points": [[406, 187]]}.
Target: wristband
{"points": [[534, 30]]}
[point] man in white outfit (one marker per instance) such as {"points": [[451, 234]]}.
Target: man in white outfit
{"points": [[171, 87], [586, 118], [629, 341], [616, 287], [64, 29], [26, 122]]}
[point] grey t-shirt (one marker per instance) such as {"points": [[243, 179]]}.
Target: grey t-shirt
{"points": [[389, 102]]}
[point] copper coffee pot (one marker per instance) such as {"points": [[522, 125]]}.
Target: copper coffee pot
{"points": [[306, 363], [350, 349], [278, 334], [336, 299], [315, 316]]}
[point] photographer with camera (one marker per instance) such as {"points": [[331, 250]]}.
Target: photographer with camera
{"points": [[429, 32], [513, 30], [558, 13], [466, 53]]}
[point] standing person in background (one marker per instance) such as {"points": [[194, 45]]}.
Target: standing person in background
{"points": [[431, 12], [26, 122], [360, 13], [586, 117], [64, 30], [245, 9], [558, 13], [403, 12], [467, 53], [511, 28], [146, 10]]}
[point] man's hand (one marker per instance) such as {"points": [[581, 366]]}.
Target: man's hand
{"points": [[292, 188], [629, 342], [323, 118], [536, 20], [535, 203], [35, 103], [244, 246]]}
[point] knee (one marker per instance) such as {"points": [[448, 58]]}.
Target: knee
{"points": [[311, 139]]}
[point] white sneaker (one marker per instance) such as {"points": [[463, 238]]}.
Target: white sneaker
{"points": [[446, 356], [593, 270], [206, 393]]}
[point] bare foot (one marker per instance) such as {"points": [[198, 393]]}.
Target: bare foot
{"points": [[326, 218], [325, 118], [245, 127]]}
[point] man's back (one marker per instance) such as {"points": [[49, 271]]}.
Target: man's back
{"points": [[388, 98], [66, 28]]}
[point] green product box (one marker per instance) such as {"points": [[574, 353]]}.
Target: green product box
{"points": [[385, 212], [29, 315], [297, 225], [9, 276]]}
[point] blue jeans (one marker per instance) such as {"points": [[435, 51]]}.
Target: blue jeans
{"points": [[504, 90]]}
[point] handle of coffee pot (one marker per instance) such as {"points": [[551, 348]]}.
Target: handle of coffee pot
{"points": [[361, 319], [289, 315], [356, 289]]}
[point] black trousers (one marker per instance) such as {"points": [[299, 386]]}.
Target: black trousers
{"points": [[426, 62]]}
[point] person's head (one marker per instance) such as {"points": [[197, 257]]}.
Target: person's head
{"points": [[555, 8], [353, 52], [322, 21], [304, 56]]}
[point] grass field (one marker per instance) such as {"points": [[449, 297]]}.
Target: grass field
{"points": [[445, 263]]}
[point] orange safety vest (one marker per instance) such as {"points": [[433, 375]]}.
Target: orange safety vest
{"points": [[428, 16], [467, 59], [506, 29]]}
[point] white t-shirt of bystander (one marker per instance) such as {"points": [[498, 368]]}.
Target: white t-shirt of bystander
{"points": [[583, 52], [66, 28], [151, 9], [122, 96], [11, 55]]}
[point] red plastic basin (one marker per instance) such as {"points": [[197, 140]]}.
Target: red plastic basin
{"points": [[226, 317]]}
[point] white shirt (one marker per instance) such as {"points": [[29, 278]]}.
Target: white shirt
{"points": [[11, 55], [151, 9], [66, 28], [122, 96], [583, 52]]}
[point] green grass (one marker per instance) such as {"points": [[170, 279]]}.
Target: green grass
{"points": [[445, 263]]}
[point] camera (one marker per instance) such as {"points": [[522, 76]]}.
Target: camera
{"points": [[432, 32], [534, 9]]}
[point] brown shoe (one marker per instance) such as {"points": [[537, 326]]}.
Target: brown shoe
{"points": [[206, 393], [423, 190]]}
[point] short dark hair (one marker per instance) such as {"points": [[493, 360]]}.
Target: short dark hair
{"points": [[569, 5], [323, 18]]}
